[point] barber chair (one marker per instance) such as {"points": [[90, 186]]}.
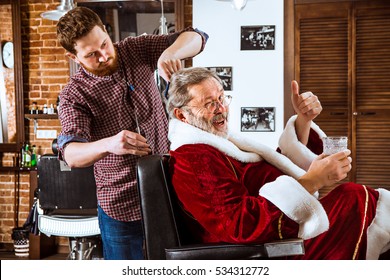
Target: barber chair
{"points": [[166, 236], [68, 206]]}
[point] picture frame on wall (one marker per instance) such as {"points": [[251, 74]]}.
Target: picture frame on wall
{"points": [[225, 73], [258, 119], [258, 37]]}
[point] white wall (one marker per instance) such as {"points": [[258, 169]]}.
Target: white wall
{"points": [[257, 75]]}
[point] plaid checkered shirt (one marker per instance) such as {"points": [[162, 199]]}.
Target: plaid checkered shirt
{"points": [[93, 107]]}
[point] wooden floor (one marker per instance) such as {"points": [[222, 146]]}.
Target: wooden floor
{"points": [[10, 255], [60, 252]]}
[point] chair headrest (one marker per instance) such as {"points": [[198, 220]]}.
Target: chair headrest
{"points": [[54, 146]]}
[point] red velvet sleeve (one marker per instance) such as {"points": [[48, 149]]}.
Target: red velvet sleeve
{"points": [[209, 189], [315, 143]]}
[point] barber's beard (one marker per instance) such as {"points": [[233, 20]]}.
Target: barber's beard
{"points": [[103, 70], [207, 125]]}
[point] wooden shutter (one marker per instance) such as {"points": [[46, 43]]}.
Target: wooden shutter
{"points": [[322, 60], [372, 102], [323, 57], [342, 53]]}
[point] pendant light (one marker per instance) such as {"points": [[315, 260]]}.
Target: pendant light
{"points": [[239, 4], [163, 21], [62, 9], [236, 4]]}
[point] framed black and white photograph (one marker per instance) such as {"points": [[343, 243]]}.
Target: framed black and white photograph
{"points": [[225, 74], [257, 118], [258, 37]]}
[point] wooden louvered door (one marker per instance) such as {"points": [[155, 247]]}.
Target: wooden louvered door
{"points": [[342, 54], [371, 103], [322, 59]]}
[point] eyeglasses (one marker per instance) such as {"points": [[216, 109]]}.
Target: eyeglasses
{"points": [[212, 106]]}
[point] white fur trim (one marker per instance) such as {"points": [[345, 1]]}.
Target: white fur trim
{"points": [[295, 202], [278, 160], [181, 133], [293, 148], [237, 146], [378, 233]]}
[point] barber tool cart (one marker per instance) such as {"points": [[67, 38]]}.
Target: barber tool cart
{"points": [[68, 206]]}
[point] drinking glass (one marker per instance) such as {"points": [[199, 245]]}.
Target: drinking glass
{"points": [[334, 144]]}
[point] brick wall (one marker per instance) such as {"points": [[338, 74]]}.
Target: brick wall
{"points": [[7, 185], [45, 67], [45, 73]]}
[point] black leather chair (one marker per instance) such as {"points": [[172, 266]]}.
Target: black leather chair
{"points": [[165, 234], [67, 206]]}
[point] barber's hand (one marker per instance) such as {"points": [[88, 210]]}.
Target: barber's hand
{"points": [[306, 105], [168, 64], [128, 142], [326, 171]]}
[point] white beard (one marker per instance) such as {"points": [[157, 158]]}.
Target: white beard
{"points": [[205, 125]]}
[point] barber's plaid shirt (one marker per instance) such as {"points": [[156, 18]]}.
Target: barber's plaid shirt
{"points": [[92, 108]]}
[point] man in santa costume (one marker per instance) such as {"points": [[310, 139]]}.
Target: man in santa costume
{"points": [[234, 189]]}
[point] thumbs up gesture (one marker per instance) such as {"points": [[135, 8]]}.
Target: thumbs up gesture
{"points": [[306, 105]]}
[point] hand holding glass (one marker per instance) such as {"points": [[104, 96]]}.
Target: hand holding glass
{"points": [[334, 144]]}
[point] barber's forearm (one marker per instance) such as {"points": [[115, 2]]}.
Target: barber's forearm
{"points": [[187, 45], [78, 155]]}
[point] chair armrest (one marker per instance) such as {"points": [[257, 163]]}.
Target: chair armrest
{"points": [[282, 248]]}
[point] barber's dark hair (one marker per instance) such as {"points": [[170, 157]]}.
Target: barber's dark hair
{"points": [[76, 24], [181, 82]]}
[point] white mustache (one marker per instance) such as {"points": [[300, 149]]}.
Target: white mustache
{"points": [[220, 117]]}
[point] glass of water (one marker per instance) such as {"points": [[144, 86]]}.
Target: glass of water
{"points": [[334, 144]]}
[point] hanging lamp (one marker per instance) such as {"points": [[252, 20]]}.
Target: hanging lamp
{"points": [[62, 9], [236, 4]]}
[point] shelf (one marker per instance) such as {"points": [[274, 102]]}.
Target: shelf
{"points": [[17, 168], [9, 168], [40, 116], [28, 168], [36, 117]]}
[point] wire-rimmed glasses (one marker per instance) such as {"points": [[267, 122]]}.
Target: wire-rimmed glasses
{"points": [[212, 106]]}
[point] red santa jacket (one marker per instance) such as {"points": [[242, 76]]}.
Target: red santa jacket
{"points": [[237, 190]]}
